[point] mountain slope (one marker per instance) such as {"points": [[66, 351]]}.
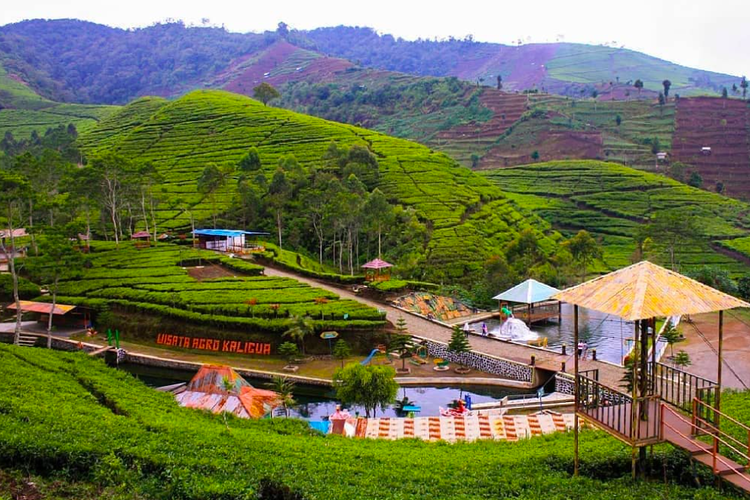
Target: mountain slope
{"points": [[562, 68], [468, 218]]}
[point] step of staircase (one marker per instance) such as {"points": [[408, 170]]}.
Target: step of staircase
{"points": [[27, 340], [742, 481], [724, 467]]}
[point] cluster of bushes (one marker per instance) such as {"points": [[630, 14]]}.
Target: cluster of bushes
{"points": [[26, 289], [110, 430]]}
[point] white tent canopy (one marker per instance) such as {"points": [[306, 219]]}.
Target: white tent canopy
{"points": [[529, 292]]}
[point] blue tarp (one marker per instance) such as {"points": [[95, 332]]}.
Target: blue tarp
{"points": [[528, 292], [230, 233], [320, 425]]}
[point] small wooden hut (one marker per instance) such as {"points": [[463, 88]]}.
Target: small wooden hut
{"points": [[377, 270]]}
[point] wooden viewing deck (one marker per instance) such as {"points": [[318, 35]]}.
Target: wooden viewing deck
{"points": [[677, 410]]}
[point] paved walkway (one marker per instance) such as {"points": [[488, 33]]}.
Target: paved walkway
{"points": [[421, 327]]}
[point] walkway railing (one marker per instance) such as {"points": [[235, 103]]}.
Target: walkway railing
{"points": [[703, 423], [679, 387], [719, 438]]}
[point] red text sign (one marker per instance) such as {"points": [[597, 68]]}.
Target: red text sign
{"points": [[204, 344]]}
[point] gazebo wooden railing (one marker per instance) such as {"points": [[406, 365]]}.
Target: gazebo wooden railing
{"points": [[611, 410], [679, 388]]}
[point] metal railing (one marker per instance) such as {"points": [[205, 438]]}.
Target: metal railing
{"points": [[678, 387], [718, 438], [704, 423]]}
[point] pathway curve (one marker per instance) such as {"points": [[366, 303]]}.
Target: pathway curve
{"points": [[421, 327]]}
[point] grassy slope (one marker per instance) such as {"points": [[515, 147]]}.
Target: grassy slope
{"points": [[24, 111], [594, 64], [611, 200], [470, 219], [108, 429]]}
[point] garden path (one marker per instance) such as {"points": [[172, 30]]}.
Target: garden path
{"points": [[421, 327]]}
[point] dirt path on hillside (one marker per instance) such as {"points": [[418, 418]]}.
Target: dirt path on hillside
{"points": [[421, 327]]}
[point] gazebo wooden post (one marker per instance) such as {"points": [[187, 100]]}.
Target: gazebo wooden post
{"points": [[643, 390], [717, 404], [634, 401], [576, 390], [528, 319]]}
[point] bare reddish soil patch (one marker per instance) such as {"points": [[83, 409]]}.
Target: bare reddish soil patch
{"points": [[242, 76], [208, 272], [551, 145], [723, 125]]}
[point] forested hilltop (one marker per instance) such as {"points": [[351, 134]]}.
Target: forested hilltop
{"points": [[77, 61]]}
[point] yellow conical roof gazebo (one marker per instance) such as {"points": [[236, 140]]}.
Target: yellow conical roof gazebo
{"points": [[644, 291], [640, 293]]}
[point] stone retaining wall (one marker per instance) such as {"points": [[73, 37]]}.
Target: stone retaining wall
{"points": [[482, 362]]}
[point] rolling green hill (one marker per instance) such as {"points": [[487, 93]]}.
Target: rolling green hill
{"points": [[467, 218], [23, 111], [612, 201], [85, 428]]}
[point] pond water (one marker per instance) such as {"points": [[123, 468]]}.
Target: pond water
{"points": [[315, 402], [607, 334]]}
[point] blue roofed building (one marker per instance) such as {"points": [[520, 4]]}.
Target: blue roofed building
{"points": [[230, 240]]}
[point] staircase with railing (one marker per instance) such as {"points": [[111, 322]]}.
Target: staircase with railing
{"points": [[661, 415]]}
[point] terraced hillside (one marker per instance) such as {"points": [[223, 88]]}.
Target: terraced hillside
{"points": [[23, 111], [152, 281], [722, 125], [612, 201], [116, 438], [468, 218]]}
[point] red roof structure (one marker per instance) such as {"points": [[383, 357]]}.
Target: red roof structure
{"points": [[377, 264], [141, 235], [42, 307], [207, 390], [17, 233]]}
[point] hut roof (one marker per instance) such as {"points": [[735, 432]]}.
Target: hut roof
{"points": [[141, 234], [377, 264], [645, 290], [207, 391], [229, 233], [42, 307], [529, 292]]}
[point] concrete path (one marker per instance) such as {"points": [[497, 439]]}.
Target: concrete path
{"points": [[421, 327], [702, 344]]}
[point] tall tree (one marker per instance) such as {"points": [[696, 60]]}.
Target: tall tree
{"points": [[278, 194], [671, 229], [667, 84], [499, 82], [380, 214], [265, 93], [743, 86], [114, 175], [584, 249], [14, 194], [58, 258], [212, 179], [639, 86]]}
